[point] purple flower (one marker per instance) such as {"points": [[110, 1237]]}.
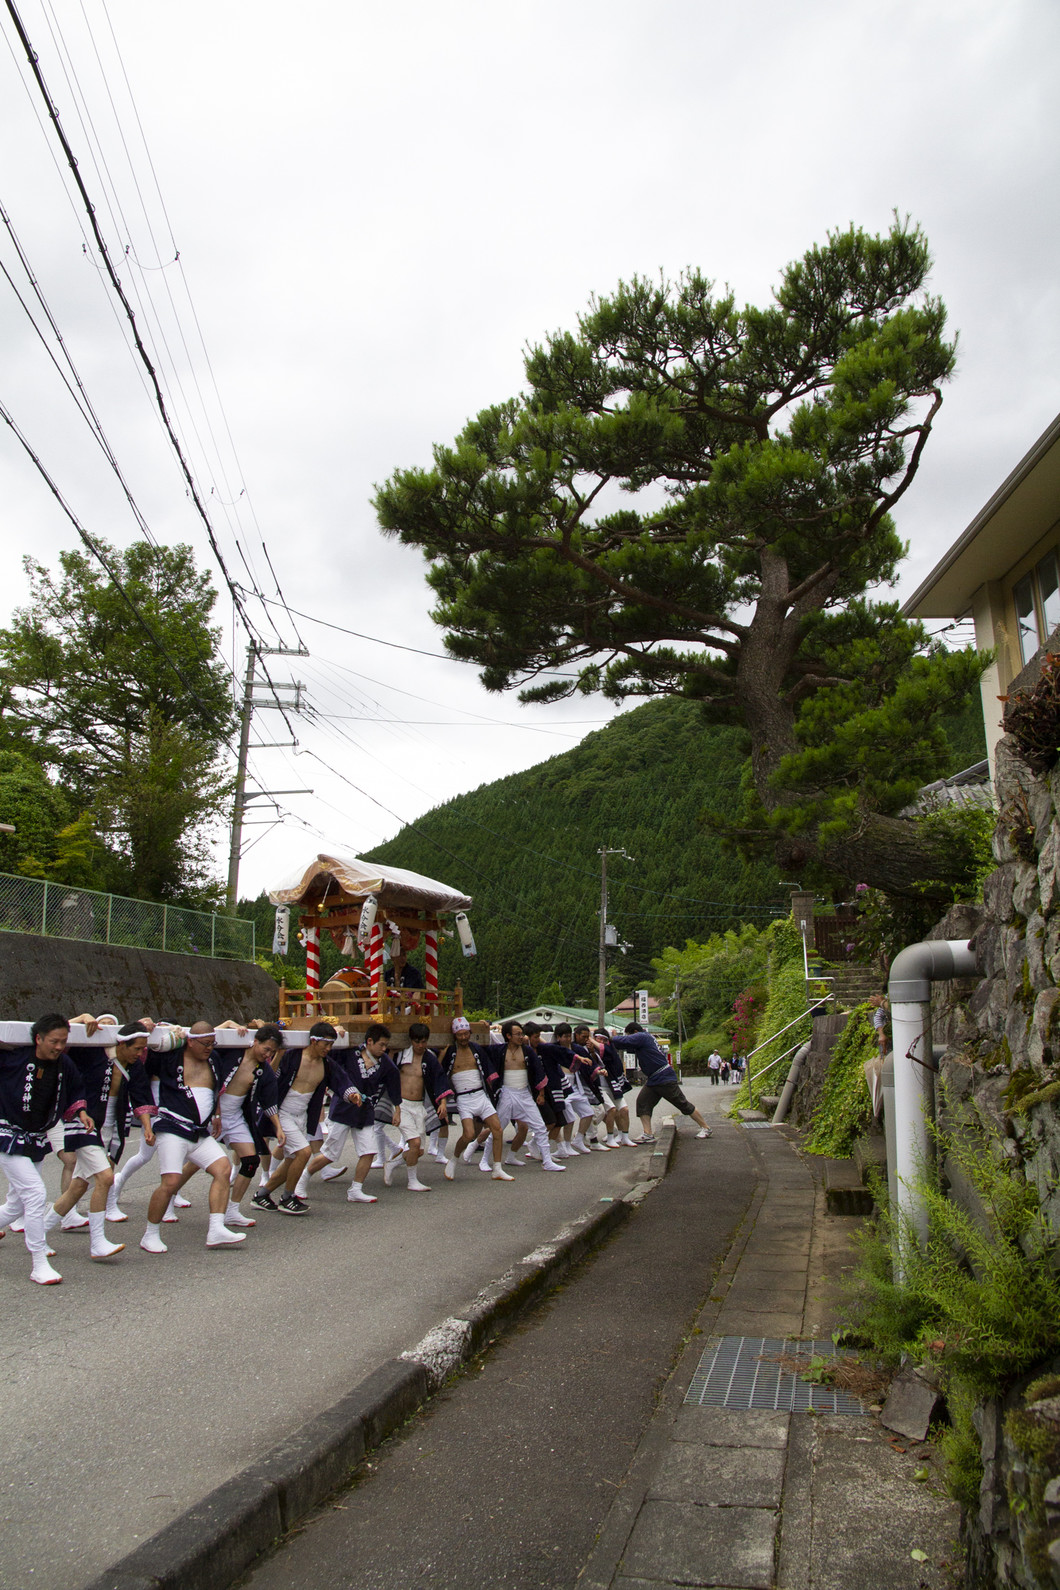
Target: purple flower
{"points": [[861, 888]]}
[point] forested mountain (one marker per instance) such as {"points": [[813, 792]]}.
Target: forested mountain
{"points": [[526, 848]]}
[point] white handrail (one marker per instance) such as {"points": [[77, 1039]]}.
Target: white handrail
{"points": [[807, 1012], [760, 1074]]}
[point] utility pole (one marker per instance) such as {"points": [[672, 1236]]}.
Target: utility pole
{"points": [[601, 1002], [241, 798]]}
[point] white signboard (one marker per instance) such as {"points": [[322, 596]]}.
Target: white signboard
{"points": [[641, 996]]}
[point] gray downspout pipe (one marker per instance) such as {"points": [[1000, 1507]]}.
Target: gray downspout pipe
{"points": [[912, 973], [788, 1090]]}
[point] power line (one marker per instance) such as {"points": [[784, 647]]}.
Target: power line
{"points": [[145, 358], [395, 645]]}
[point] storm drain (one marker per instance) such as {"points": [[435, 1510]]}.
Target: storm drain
{"points": [[742, 1372]]}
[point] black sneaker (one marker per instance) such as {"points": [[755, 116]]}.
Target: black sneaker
{"points": [[262, 1200], [293, 1205]]}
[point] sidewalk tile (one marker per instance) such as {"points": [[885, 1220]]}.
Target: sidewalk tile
{"points": [[657, 1584], [765, 1293], [732, 1427], [690, 1545], [719, 1476], [740, 1320]]}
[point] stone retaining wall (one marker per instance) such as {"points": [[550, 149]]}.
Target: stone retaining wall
{"points": [[1003, 1070], [40, 975]]}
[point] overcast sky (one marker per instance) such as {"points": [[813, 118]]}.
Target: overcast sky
{"points": [[377, 208]]}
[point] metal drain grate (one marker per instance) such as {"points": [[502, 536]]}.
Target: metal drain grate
{"points": [[756, 1126], [740, 1372]]}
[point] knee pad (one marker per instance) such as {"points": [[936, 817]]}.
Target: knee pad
{"points": [[248, 1164]]}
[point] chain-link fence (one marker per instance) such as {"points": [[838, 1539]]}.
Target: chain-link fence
{"points": [[29, 905]]}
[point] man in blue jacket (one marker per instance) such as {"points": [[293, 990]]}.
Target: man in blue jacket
{"points": [[369, 1071], [660, 1081], [39, 1086]]}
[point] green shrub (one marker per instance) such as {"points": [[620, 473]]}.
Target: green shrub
{"points": [[961, 1447], [845, 1109], [697, 1050], [981, 1299]]}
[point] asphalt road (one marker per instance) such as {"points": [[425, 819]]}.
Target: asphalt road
{"points": [[506, 1476], [140, 1384]]}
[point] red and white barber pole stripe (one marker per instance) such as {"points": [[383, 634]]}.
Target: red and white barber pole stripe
{"points": [[312, 969], [375, 966], [430, 956]]}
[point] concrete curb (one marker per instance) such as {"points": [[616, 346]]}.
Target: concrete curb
{"points": [[212, 1544]]}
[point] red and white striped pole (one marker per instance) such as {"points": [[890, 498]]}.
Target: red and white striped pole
{"points": [[312, 968], [375, 965], [430, 953]]}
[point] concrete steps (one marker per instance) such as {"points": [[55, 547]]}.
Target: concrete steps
{"points": [[852, 985], [844, 1191]]}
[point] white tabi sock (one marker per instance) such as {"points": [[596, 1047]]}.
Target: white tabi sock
{"points": [[100, 1247], [42, 1271], [415, 1185], [357, 1195], [151, 1241], [218, 1234], [302, 1186]]}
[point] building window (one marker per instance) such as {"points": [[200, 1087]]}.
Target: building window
{"points": [[1037, 601], [1049, 594]]}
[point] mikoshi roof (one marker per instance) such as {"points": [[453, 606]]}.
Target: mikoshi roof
{"points": [[392, 886]]}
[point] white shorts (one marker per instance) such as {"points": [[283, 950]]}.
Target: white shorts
{"points": [[610, 1102], [293, 1113], [578, 1108], [476, 1106], [57, 1137], [90, 1160], [234, 1128], [413, 1119], [175, 1152], [517, 1104], [362, 1137]]}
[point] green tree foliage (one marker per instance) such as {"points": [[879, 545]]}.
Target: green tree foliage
{"points": [[692, 499], [129, 725], [713, 974], [50, 840]]}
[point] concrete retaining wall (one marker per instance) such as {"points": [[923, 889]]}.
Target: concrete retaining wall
{"points": [[38, 975]]}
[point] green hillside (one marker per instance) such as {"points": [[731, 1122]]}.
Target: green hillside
{"points": [[526, 848]]}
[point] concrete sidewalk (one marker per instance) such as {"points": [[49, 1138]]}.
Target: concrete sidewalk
{"points": [[729, 1488]]}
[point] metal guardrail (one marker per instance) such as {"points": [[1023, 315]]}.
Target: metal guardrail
{"points": [[55, 910]]}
